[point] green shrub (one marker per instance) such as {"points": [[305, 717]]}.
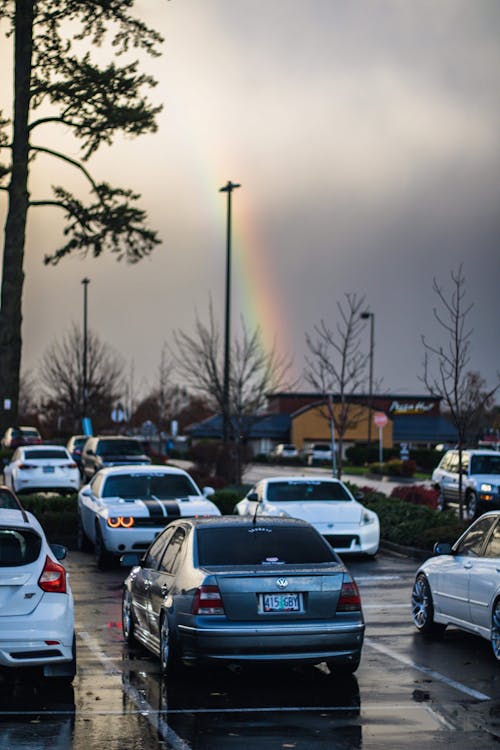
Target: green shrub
{"points": [[56, 514], [227, 498], [395, 467]]}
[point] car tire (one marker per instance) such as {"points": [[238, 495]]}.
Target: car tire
{"points": [[127, 619], [102, 556], [168, 654], [422, 607], [83, 543], [495, 630], [471, 506]]}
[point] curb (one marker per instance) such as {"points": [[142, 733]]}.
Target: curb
{"points": [[415, 553]]}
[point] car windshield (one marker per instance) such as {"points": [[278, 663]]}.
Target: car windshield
{"points": [[262, 545], [119, 448], [18, 547], [46, 453], [301, 491], [485, 465], [145, 486]]}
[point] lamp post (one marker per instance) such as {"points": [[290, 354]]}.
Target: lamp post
{"points": [[228, 188], [85, 283], [365, 316]]}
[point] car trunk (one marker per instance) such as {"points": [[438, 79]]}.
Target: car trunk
{"points": [[266, 594]]}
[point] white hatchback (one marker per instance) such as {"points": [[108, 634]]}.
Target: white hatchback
{"points": [[36, 603], [326, 503], [42, 468]]}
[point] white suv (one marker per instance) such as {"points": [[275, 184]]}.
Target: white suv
{"points": [[480, 480], [319, 453], [36, 604]]}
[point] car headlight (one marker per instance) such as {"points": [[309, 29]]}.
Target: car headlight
{"points": [[125, 522], [367, 518], [486, 487]]}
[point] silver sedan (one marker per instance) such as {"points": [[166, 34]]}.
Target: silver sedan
{"points": [[461, 585]]}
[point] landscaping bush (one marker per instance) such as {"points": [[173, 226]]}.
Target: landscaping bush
{"points": [[360, 455], [395, 467], [417, 494], [56, 514], [227, 498], [410, 525]]}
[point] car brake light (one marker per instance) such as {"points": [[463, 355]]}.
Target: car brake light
{"points": [[349, 600], [26, 466], [208, 601], [53, 577], [69, 466]]}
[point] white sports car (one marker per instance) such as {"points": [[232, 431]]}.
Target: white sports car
{"points": [[326, 503], [124, 508]]}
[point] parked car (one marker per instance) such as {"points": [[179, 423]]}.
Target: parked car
{"points": [[318, 453], [75, 446], [101, 452], [42, 468], [229, 590], [326, 503], [36, 603], [461, 585], [480, 480], [16, 436], [124, 508], [284, 450]]}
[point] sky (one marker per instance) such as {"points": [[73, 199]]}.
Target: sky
{"points": [[366, 139]]}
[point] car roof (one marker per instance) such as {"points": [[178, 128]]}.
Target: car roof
{"points": [[19, 518], [240, 522], [300, 479], [141, 469], [44, 447], [476, 451]]}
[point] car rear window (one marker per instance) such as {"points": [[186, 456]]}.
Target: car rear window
{"points": [[303, 491], [46, 453], [18, 547], [164, 487], [29, 433], [119, 448], [262, 545]]}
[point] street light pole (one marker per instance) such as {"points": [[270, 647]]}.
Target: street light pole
{"points": [[228, 188], [371, 316], [85, 283]]}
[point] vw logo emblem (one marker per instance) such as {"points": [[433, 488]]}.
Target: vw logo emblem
{"points": [[281, 583]]}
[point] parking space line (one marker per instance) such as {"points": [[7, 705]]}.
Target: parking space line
{"points": [[93, 646], [429, 672]]}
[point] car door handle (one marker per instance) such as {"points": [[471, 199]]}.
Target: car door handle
{"points": [[467, 565]]}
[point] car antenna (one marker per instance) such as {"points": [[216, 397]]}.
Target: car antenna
{"points": [[254, 520]]}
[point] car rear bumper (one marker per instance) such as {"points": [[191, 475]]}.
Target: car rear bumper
{"points": [[297, 643]]}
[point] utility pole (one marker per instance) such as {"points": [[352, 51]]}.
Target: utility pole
{"points": [[85, 283], [228, 188]]}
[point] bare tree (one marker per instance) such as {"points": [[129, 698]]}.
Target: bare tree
{"points": [[336, 367], [254, 372], [446, 365], [61, 376]]}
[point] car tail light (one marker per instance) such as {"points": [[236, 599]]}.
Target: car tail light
{"points": [[53, 577], [26, 466], [69, 466], [349, 600], [207, 601]]}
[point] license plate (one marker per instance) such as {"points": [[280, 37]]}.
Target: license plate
{"points": [[280, 602], [48, 469]]}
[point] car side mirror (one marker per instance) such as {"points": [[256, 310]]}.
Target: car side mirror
{"points": [[130, 560], [442, 548], [59, 551], [253, 497], [86, 491], [208, 491]]}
